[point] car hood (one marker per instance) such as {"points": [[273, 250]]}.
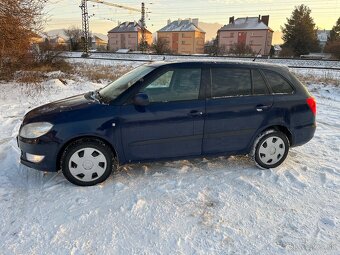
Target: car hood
{"points": [[63, 105]]}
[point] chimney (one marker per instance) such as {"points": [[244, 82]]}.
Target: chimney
{"points": [[189, 20], [169, 21], [195, 22], [179, 21], [265, 19], [231, 20], [259, 20]]}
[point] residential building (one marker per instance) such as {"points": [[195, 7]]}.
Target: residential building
{"points": [[58, 41], [323, 37], [252, 31], [36, 39], [183, 36], [98, 42], [277, 50], [127, 35]]}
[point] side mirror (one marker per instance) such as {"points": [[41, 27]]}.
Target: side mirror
{"points": [[141, 99]]}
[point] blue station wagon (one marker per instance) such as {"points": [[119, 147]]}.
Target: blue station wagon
{"points": [[171, 111]]}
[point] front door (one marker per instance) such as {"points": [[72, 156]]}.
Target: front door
{"points": [[242, 37], [175, 42], [239, 105], [122, 41], [172, 124]]}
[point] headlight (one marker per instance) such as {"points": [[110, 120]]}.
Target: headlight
{"points": [[35, 130]]}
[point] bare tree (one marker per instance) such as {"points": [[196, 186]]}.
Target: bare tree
{"points": [[241, 49], [161, 46], [74, 35], [19, 21]]}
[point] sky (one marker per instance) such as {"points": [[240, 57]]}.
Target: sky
{"points": [[66, 13]]}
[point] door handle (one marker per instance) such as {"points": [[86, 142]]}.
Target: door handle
{"points": [[261, 108], [195, 113]]}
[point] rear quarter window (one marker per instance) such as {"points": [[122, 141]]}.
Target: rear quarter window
{"points": [[278, 84]]}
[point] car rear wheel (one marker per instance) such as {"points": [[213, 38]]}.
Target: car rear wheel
{"points": [[87, 162], [271, 149]]}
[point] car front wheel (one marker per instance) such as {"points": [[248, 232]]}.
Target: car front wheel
{"points": [[271, 149], [87, 162]]}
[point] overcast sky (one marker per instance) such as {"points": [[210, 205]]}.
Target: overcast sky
{"points": [[64, 13]]}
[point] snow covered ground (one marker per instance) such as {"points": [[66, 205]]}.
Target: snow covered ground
{"points": [[202, 206], [146, 57]]}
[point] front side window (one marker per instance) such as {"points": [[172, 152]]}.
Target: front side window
{"points": [[175, 85], [229, 82], [278, 84]]}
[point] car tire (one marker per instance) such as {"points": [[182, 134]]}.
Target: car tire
{"points": [[87, 162], [271, 149]]}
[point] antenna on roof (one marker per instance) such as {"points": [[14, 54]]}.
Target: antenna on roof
{"points": [[257, 55]]}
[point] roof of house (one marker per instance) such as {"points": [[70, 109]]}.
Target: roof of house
{"points": [[181, 26], [249, 23], [128, 27]]}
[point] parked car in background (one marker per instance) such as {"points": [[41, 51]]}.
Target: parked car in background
{"points": [[171, 111]]}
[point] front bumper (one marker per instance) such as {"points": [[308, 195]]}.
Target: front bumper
{"points": [[39, 146]]}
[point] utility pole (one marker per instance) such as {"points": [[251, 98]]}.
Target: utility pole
{"points": [[85, 27], [142, 21], [85, 22]]}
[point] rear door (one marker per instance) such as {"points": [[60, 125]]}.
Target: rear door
{"points": [[238, 105], [172, 124]]}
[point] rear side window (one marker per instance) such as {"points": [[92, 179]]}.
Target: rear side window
{"points": [[228, 82], [278, 84], [259, 85]]}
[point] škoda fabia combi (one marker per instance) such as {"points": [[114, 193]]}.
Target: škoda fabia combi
{"points": [[171, 111]]}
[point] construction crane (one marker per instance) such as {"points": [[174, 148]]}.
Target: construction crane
{"points": [[85, 21]]}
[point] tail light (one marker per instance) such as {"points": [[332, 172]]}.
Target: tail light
{"points": [[312, 104]]}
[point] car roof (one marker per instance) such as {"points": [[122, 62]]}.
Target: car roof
{"points": [[217, 62]]}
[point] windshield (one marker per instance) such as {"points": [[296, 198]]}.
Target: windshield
{"points": [[114, 89]]}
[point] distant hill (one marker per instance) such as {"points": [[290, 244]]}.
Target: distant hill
{"points": [[60, 32], [210, 29]]}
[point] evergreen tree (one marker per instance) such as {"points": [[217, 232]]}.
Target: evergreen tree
{"points": [[300, 33], [334, 34], [333, 42]]}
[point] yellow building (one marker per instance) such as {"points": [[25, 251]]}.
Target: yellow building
{"points": [[98, 43], [183, 36], [127, 35]]}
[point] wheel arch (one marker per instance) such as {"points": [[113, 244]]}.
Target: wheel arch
{"points": [[89, 137], [282, 128]]}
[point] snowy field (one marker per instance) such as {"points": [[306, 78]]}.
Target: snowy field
{"points": [[146, 57], [202, 206]]}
